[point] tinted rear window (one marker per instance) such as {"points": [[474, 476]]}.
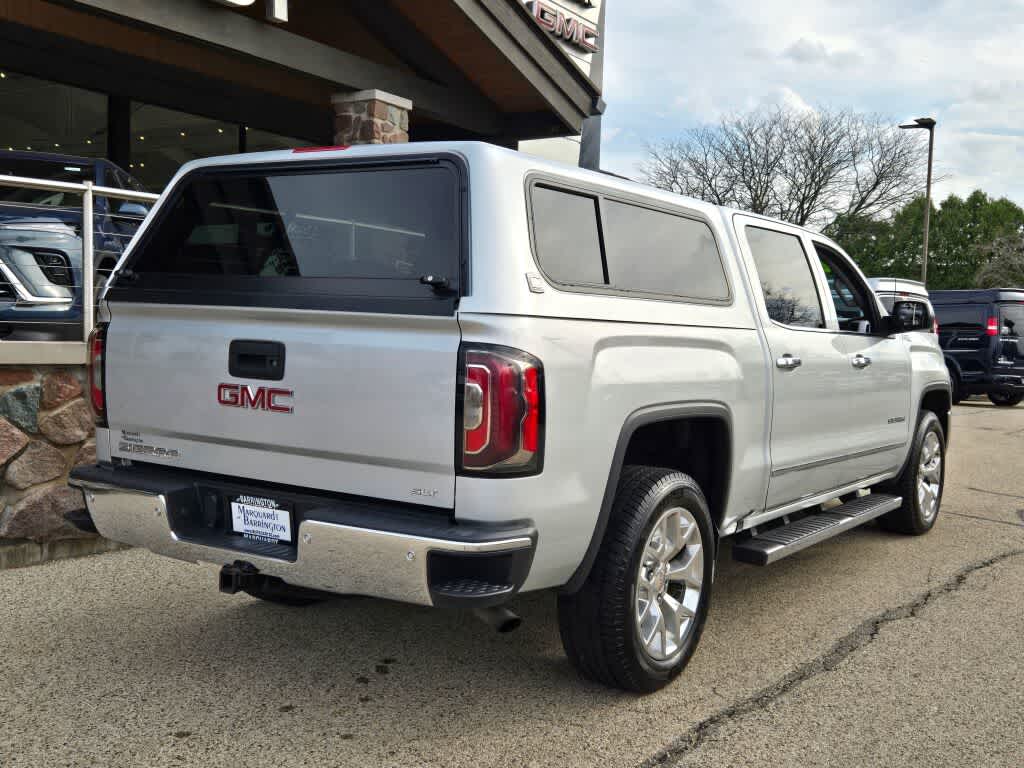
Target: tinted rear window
{"points": [[656, 252], [370, 233], [566, 236], [962, 316]]}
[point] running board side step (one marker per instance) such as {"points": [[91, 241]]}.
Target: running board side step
{"points": [[777, 543]]}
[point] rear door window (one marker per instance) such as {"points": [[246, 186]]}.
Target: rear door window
{"points": [[1012, 325], [306, 237], [1012, 319], [787, 282]]}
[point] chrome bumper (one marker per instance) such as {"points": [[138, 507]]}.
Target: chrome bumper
{"points": [[331, 557]]}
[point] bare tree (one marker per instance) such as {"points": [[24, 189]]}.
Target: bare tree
{"points": [[1003, 265], [804, 167]]}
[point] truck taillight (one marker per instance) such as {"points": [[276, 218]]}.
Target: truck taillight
{"points": [[97, 390], [992, 329], [502, 412]]}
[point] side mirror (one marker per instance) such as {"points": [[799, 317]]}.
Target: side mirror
{"points": [[130, 208], [909, 316]]}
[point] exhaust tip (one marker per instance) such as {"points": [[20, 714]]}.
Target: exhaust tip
{"points": [[500, 618]]}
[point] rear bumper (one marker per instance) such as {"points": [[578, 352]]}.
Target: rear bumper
{"points": [[341, 545]]}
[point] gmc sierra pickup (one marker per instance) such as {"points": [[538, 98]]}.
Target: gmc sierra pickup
{"points": [[447, 373]]}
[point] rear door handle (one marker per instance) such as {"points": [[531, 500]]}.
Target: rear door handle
{"points": [[788, 362], [249, 359], [860, 361]]}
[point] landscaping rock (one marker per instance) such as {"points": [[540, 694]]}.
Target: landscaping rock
{"points": [[12, 440], [39, 516], [38, 463], [71, 424], [20, 406], [86, 454], [59, 387]]}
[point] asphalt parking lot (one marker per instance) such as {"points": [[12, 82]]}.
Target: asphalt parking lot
{"points": [[871, 649]]}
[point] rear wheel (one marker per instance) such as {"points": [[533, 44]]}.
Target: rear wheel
{"points": [[636, 621], [921, 482], [1005, 399]]}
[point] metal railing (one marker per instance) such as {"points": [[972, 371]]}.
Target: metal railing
{"points": [[73, 351]]}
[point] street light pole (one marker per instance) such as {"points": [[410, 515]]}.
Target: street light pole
{"points": [[928, 124]]}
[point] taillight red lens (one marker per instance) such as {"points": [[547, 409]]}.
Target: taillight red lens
{"points": [[935, 326], [97, 391], [992, 329], [502, 412]]}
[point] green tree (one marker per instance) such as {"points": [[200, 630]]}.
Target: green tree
{"points": [[960, 228]]}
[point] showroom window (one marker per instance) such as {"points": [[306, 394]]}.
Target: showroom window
{"points": [[151, 142], [43, 116], [165, 139]]}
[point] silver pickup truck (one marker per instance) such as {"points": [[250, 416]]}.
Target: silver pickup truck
{"points": [[448, 373]]}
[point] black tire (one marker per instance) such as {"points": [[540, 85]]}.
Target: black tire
{"points": [[911, 518], [281, 593], [1005, 399], [598, 623]]}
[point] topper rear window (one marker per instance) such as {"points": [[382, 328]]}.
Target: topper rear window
{"points": [[358, 238]]}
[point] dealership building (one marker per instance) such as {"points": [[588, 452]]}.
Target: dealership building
{"points": [[151, 84]]}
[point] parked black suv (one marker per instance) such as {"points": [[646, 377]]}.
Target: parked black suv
{"points": [[982, 336]]}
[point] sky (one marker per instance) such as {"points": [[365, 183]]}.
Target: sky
{"points": [[674, 64]]}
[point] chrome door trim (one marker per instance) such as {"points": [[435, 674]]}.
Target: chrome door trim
{"points": [[836, 459]]}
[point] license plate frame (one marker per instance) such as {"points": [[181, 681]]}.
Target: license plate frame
{"points": [[261, 518]]}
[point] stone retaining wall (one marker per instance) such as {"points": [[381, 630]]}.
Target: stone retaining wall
{"points": [[46, 428]]}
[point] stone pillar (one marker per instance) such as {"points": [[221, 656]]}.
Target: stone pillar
{"points": [[370, 117], [46, 428]]}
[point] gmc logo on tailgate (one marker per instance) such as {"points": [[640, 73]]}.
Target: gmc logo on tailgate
{"points": [[255, 398]]}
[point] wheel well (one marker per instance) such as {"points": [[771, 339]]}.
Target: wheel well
{"points": [[938, 402], [699, 446]]}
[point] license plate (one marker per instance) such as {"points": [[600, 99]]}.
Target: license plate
{"points": [[261, 519]]}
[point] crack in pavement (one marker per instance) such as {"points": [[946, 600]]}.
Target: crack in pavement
{"points": [[866, 632], [995, 493], [1010, 523]]}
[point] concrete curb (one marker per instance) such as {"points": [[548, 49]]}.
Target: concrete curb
{"points": [[19, 554]]}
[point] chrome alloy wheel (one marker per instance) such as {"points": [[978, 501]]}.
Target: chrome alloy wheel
{"points": [[668, 585], [929, 477]]}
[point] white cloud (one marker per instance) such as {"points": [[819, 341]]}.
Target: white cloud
{"points": [[675, 63]]}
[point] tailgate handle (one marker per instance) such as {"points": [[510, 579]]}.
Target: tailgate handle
{"points": [[256, 360]]}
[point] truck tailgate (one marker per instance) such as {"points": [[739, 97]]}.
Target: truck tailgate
{"points": [[371, 410]]}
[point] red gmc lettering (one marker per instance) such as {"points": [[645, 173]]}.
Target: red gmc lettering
{"points": [[258, 398], [570, 29]]}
